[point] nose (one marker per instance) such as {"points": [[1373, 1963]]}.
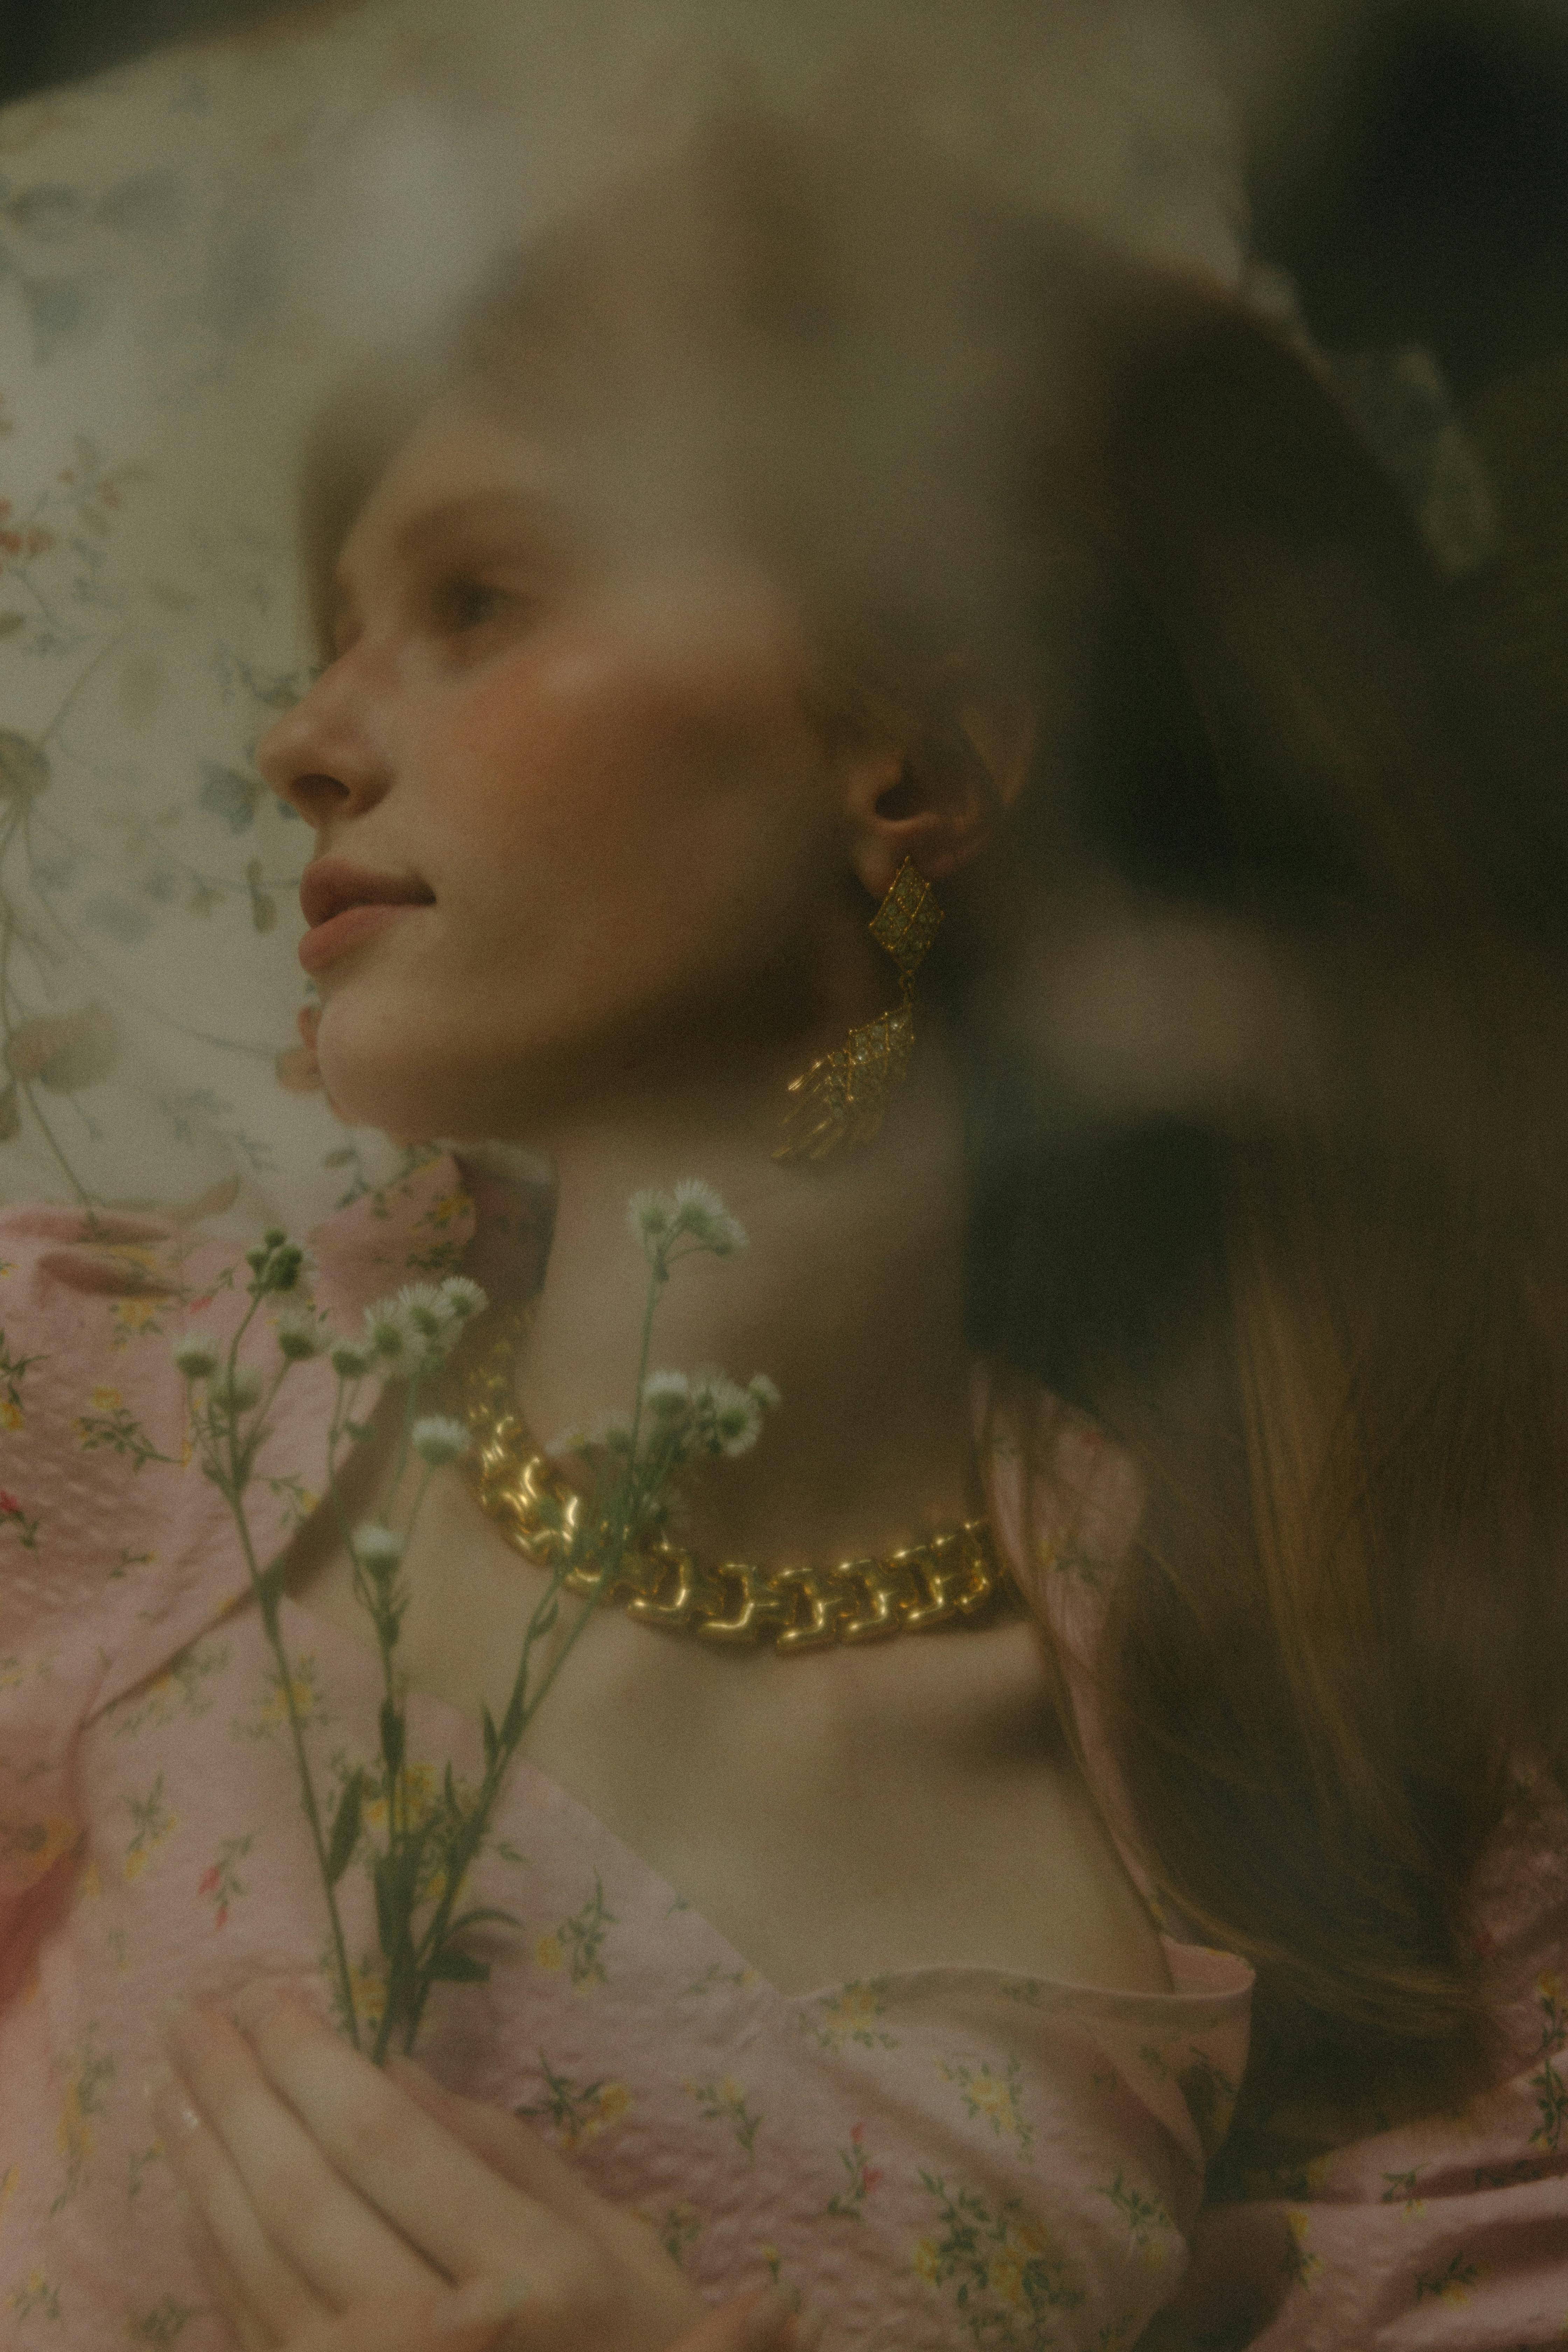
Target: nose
{"points": [[321, 757]]}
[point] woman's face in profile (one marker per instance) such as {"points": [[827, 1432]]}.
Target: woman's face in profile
{"points": [[578, 757]]}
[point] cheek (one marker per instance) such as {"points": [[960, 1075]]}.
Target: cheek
{"points": [[614, 756]]}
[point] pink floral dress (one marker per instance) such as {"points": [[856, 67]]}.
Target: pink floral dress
{"points": [[938, 2159], [941, 2158]]}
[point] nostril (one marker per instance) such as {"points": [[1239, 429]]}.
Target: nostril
{"points": [[316, 797]]}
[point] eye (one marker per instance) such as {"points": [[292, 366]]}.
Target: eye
{"points": [[463, 604]]}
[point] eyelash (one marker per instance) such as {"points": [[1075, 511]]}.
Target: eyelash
{"points": [[456, 597]]}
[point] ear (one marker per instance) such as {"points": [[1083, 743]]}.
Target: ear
{"points": [[938, 799]]}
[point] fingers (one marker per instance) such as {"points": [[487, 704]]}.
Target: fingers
{"points": [[429, 2185], [758, 2323], [517, 2152], [227, 2294], [247, 2273], [267, 2193], [470, 2318], [475, 2318], [504, 2142]]}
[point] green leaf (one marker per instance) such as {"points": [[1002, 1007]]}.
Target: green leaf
{"points": [[390, 1910], [459, 1968], [345, 1828], [392, 1735], [492, 1737]]}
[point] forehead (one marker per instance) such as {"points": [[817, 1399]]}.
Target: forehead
{"points": [[463, 465]]}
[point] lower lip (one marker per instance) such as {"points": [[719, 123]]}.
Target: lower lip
{"points": [[327, 941]]}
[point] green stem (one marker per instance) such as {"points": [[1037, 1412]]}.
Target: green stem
{"points": [[296, 1728], [466, 1847]]}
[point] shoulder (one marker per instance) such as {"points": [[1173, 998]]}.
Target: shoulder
{"points": [[92, 1406]]}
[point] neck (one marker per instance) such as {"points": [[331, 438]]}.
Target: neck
{"points": [[848, 1298]]}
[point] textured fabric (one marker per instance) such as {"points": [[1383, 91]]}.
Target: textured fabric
{"points": [[938, 2158], [1450, 2231]]}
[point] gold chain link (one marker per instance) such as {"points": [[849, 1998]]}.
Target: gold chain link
{"points": [[953, 1580]]}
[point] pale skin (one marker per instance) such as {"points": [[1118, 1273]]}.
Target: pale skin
{"points": [[647, 883]]}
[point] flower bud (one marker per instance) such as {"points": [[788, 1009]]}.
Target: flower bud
{"points": [[436, 1440], [197, 1355]]}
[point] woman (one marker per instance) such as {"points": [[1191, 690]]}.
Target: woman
{"points": [[792, 517]]}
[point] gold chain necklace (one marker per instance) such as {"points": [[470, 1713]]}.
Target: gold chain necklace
{"points": [[953, 1580]]}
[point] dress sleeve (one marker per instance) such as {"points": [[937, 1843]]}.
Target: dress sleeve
{"points": [[1448, 2233], [92, 1420]]}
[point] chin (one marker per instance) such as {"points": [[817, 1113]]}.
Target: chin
{"points": [[378, 1073], [415, 1080]]}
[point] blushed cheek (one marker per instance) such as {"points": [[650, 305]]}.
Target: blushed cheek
{"points": [[637, 728]]}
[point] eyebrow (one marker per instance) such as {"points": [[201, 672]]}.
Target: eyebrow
{"points": [[426, 531]]}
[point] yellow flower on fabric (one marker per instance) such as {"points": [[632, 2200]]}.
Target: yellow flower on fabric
{"points": [[274, 1709], [90, 1885], [415, 1791], [1006, 2276], [74, 2135], [106, 1400], [369, 1995], [1304, 2264], [8, 2185], [43, 1843], [133, 1315], [10, 1413], [927, 2262], [547, 1953], [597, 2111]]}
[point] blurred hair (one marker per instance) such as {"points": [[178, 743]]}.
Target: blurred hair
{"points": [[1318, 1291]]}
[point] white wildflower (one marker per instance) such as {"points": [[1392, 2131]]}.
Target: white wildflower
{"points": [[387, 1334], [302, 1334], [436, 1440], [197, 1354], [699, 1211], [668, 1395], [613, 1432], [763, 1393], [464, 1298], [237, 1391], [729, 1418], [377, 1549], [650, 1216], [349, 1362], [426, 1315]]}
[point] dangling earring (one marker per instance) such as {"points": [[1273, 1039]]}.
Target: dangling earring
{"points": [[843, 1097]]}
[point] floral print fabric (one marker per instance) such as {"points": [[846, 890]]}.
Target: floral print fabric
{"points": [[941, 2158]]}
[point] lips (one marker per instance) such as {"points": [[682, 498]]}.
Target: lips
{"points": [[343, 904], [332, 884]]}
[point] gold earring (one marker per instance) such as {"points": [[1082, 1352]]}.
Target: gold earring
{"points": [[843, 1097]]}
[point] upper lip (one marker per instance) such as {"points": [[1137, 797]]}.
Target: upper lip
{"points": [[331, 884]]}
